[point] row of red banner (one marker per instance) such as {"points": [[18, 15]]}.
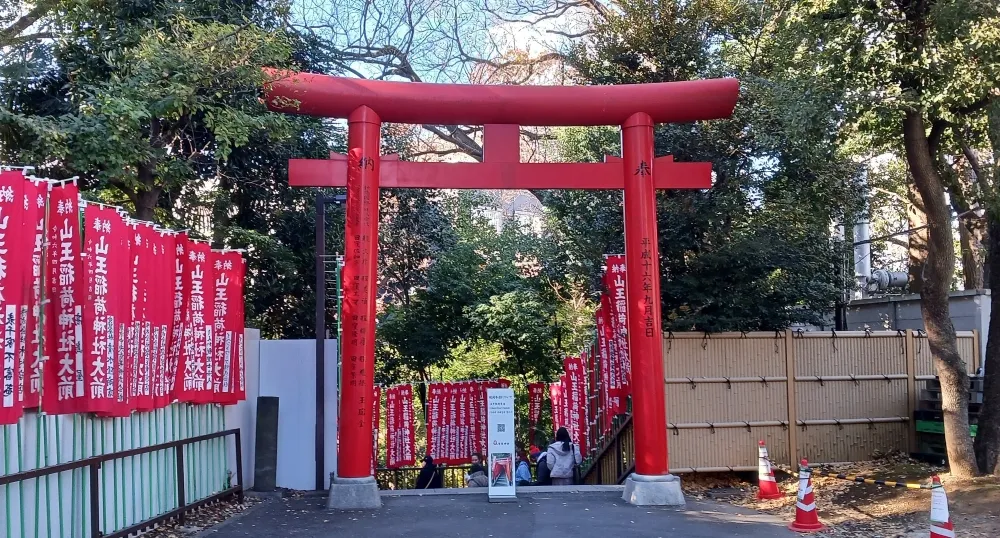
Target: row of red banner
{"points": [[612, 343], [456, 419], [134, 317]]}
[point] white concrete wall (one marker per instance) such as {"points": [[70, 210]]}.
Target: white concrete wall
{"points": [[288, 370]]}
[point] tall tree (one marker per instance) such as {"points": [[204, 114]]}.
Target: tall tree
{"points": [[908, 69]]}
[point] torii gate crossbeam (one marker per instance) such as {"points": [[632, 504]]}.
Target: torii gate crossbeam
{"points": [[501, 109]]}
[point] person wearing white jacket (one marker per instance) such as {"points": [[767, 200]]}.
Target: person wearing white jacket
{"points": [[563, 456]]}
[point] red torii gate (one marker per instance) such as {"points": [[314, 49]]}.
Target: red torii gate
{"points": [[501, 109]]}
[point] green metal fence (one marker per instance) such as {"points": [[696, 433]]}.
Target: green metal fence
{"points": [[131, 489]]}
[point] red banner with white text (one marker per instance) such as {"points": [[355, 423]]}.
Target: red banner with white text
{"points": [[176, 362], [103, 285], [621, 366], [14, 262], [555, 396], [195, 381], [228, 268], [435, 416], [376, 417], [400, 427], [38, 194], [27, 330], [536, 394], [64, 378], [576, 393], [162, 316]]}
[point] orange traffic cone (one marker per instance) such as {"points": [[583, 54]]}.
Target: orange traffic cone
{"points": [[767, 487], [941, 526], [806, 519]]}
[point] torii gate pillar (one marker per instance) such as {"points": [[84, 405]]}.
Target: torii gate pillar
{"points": [[501, 109], [652, 483]]}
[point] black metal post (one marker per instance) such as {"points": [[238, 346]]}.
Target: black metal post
{"points": [[179, 452], [95, 501], [320, 340], [239, 464]]}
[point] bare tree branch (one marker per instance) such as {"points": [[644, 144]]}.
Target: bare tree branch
{"points": [[11, 34]]}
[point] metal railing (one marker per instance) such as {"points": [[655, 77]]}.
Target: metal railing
{"points": [[406, 477], [93, 490], [615, 457]]}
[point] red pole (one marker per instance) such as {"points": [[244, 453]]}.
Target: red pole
{"points": [[355, 450], [645, 335]]}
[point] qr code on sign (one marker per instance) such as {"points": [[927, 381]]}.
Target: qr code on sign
{"points": [[500, 428]]}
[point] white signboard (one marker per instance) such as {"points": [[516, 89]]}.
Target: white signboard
{"points": [[500, 458]]}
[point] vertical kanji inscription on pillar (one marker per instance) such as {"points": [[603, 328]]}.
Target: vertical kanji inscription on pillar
{"points": [[642, 290], [359, 294]]}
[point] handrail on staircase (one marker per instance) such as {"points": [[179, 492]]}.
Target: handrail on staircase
{"points": [[611, 448]]}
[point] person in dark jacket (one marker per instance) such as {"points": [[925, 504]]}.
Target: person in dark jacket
{"points": [[542, 469], [430, 475]]}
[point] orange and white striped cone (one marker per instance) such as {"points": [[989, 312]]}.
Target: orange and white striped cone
{"points": [[941, 526], [767, 487], [806, 519]]}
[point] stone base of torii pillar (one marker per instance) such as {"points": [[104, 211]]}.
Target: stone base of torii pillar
{"points": [[354, 494], [642, 490]]}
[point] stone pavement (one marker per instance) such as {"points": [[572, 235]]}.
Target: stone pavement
{"points": [[536, 515]]}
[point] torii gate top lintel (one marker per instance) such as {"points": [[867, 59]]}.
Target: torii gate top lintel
{"points": [[473, 104]]}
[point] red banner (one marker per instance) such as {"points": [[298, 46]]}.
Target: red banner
{"points": [[604, 370], [614, 279], [576, 393], [121, 373], [409, 437], [555, 396], [195, 378], [161, 301], [464, 403], [103, 279], [13, 264], [64, 370], [37, 194], [376, 417], [391, 426], [228, 268], [454, 456], [536, 393], [435, 415], [140, 251], [239, 330], [399, 422], [179, 305], [479, 390], [25, 330]]}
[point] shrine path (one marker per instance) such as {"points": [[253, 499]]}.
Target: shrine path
{"points": [[537, 515]]}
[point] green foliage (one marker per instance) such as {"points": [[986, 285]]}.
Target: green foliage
{"points": [[755, 251], [152, 96], [521, 323]]}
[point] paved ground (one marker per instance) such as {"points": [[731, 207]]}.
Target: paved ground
{"points": [[555, 515]]}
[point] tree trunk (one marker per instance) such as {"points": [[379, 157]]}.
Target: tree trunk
{"points": [[972, 257], [937, 276], [917, 240], [146, 197], [988, 437]]}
